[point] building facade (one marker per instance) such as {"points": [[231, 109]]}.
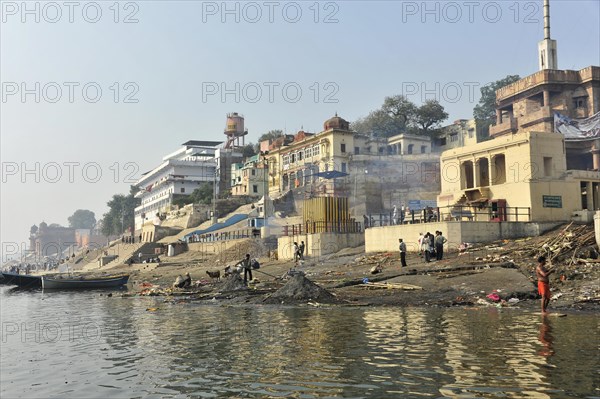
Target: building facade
{"points": [[461, 133], [527, 163], [249, 178], [374, 173], [180, 173]]}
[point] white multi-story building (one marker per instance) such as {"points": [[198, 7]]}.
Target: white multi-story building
{"points": [[180, 173]]}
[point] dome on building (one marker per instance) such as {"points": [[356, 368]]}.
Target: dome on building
{"points": [[43, 226], [336, 123]]}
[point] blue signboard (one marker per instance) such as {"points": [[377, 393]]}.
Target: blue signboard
{"points": [[418, 205]]}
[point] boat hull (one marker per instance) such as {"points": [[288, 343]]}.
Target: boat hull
{"points": [[82, 284], [22, 280]]}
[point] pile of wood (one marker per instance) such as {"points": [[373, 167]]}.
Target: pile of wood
{"points": [[571, 245], [568, 246], [397, 286]]}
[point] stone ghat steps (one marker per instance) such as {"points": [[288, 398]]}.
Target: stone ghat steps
{"points": [[123, 252]]}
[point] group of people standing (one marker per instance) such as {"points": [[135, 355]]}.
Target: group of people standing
{"points": [[429, 246], [130, 239], [299, 251]]}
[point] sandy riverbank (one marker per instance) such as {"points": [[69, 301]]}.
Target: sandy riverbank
{"points": [[455, 281]]}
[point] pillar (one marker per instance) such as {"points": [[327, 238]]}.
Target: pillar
{"points": [[546, 98], [589, 189], [476, 173], [498, 116], [596, 155]]}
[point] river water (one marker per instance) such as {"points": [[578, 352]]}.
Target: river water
{"points": [[88, 345]]}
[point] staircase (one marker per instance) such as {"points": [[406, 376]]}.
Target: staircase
{"points": [[123, 252]]}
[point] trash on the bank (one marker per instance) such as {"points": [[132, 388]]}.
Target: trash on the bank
{"points": [[151, 309], [365, 280], [481, 301], [556, 296], [376, 269], [513, 301], [493, 297]]}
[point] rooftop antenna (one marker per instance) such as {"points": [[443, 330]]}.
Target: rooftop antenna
{"points": [[547, 48]]}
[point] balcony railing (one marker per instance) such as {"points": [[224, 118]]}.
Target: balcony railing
{"points": [[322, 227], [452, 213]]}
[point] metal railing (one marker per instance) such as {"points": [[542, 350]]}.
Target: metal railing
{"points": [[451, 213], [224, 236], [322, 227]]}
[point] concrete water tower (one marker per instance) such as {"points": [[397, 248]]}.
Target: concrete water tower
{"points": [[234, 130]]}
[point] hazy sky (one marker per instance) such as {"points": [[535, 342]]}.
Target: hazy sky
{"points": [[95, 93]]}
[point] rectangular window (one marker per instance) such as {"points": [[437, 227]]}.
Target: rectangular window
{"points": [[253, 172], [316, 150], [343, 167], [182, 190], [356, 150], [254, 188], [293, 158], [471, 133], [453, 137], [443, 141], [300, 155], [547, 166], [286, 159], [423, 149], [410, 148], [308, 152], [343, 146]]}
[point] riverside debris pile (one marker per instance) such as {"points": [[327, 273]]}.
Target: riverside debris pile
{"points": [[300, 289], [572, 251], [233, 283], [565, 246]]}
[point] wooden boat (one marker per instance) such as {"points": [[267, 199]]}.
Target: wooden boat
{"points": [[22, 280], [53, 283]]}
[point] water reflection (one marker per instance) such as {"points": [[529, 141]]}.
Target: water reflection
{"points": [[545, 337], [115, 347]]}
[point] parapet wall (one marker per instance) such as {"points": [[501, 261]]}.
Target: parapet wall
{"points": [[384, 239], [318, 244]]}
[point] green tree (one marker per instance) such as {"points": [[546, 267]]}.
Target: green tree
{"points": [[485, 111], [249, 150], [203, 194], [399, 115], [120, 216], [82, 219], [430, 115], [379, 124], [271, 135], [401, 109]]}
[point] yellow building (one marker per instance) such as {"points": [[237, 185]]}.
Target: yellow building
{"points": [[296, 163], [527, 166], [461, 133], [374, 173]]}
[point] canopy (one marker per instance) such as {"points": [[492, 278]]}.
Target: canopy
{"points": [[578, 129], [331, 174]]}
